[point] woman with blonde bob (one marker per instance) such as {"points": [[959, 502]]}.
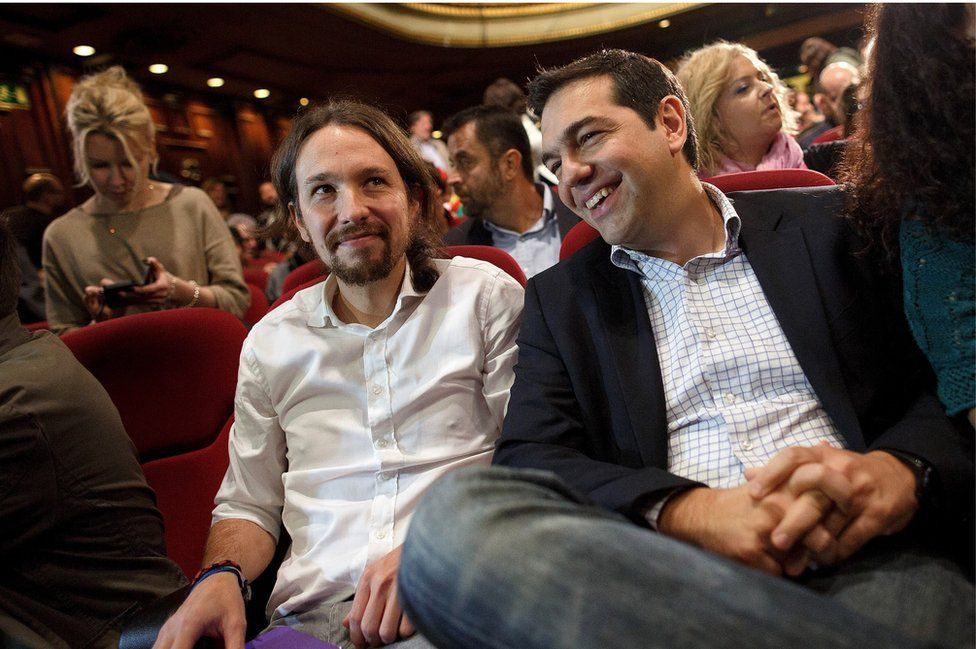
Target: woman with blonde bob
{"points": [[167, 239], [740, 110]]}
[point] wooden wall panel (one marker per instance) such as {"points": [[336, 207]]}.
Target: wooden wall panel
{"points": [[196, 138]]}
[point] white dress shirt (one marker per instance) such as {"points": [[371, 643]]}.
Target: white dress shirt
{"points": [[341, 428]]}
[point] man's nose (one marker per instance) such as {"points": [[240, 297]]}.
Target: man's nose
{"points": [[573, 171], [453, 177], [352, 206]]}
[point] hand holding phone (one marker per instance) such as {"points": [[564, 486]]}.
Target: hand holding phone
{"points": [[113, 293]]}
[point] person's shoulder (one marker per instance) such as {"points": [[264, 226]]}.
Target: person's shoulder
{"points": [[826, 201], [476, 271], [67, 222]]}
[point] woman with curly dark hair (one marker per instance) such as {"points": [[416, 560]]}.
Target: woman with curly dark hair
{"points": [[912, 176]]}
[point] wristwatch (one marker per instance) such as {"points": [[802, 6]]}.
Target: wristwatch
{"points": [[923, 473]]}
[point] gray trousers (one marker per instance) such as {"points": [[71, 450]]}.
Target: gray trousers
{"points": [[325, 623], [501, 558]]}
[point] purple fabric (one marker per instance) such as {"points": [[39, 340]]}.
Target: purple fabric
{"points": [[281, 637], [784, 153]]}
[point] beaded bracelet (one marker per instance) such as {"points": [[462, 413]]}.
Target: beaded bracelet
{"points": [[196, 295], [224, 566]]}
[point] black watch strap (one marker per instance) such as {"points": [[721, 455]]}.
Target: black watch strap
{"points": [[923, 477]]}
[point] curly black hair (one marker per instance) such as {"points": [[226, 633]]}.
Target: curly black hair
{"points": [[914, 146]]}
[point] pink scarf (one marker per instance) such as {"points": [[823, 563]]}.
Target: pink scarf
{"points": [[784, 153]]}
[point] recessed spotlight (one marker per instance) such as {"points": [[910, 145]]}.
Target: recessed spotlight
{"points": [[436, 135], [303, 101], [664, 24], [215, 82], [159, 68], [84, 50], [262, 93]]}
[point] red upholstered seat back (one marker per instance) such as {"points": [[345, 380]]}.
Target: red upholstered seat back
{"points": [[831, 134], [256, 276], [492, 255], [301, 275], [185, 487], [171, 374], [259, 305], [578, 236], [769, 179]]}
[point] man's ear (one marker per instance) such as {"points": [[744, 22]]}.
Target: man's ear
{"points": [[821, 101], [510, 164], [296, 217], [671, 117]]}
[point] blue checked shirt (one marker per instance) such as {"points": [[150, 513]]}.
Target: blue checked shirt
{"points": [[537, 248], [735, 393]]}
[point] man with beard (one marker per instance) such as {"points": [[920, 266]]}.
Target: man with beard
{"points": [[493, 176], [353, 396]]}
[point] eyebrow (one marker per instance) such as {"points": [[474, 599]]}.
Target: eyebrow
{"points": [[569, 134], [365, 171]]}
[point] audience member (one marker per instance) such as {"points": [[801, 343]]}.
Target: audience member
{"points": [[825, 157], [244, 241], [80, 535], [493, 176], [421, 124], [912, 171], [505, 93], [740, 111], [43, 197], [806, 112], [829, 98], [354, 395], [444, 220], [269, 200], [703, 341], [132, 223], [817, 53], [217, 191]]}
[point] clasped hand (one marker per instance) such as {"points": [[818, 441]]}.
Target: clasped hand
{"points": [[807, 504]]}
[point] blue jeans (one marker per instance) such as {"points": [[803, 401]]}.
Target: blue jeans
{"points": [[512, 559]]}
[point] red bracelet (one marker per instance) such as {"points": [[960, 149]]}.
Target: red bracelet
{"points": [[224, 566]]}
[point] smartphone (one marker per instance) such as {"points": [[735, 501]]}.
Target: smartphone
{"points": [[112, 292]]}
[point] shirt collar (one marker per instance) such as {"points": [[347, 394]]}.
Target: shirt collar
{"points": [[548, 215], [323, 315], [627, 259]]}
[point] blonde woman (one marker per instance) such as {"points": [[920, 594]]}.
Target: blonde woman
{"points": [[169, 240], [740, 110]]}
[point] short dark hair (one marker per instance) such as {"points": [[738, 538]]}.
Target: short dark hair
{"points": [[498, 129], [639, 83], [505, 93], [39, 184], [9, 271], [378, 125]]}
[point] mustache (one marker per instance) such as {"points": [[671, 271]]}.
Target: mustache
{"points": [[353, 231]]}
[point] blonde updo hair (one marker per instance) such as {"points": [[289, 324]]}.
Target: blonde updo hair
{"points": [[703, 74], [109, 103]]}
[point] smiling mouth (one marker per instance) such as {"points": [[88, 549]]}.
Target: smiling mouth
{"points": [[598, 197]]}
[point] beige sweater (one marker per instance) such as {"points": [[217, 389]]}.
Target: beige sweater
{"points": [[185, 232]]}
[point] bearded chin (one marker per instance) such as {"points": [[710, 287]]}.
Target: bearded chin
{"points": [[363, 270]]}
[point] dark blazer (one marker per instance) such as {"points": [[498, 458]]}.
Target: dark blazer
{"points": [[588, 399], [473, 231]]}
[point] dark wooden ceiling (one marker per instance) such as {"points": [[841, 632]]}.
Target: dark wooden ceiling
{"points": [[312, 50]]}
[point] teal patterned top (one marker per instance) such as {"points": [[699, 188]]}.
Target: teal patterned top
{"points": [[939, 276]]}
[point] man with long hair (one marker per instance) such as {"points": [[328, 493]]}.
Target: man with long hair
{"points": [[353, 396]]}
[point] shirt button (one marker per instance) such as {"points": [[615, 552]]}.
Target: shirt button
{"points": [[381, 534], [377, 389], [711, 334], [383, 443], [747, 445], [730, 399]]}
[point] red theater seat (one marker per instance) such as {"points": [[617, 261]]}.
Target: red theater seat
{"points": [[769, 179], [490, 254], [258, 308], [302, 274], [172, 375]]}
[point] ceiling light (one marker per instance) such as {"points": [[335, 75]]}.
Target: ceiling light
{"points": [[303, 101], [436, 135], [215, 82], [664, 24], [159, 68], [262, 93], [84, 50]]}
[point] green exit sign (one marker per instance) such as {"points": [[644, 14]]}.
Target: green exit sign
{"points": [[13, 96]]}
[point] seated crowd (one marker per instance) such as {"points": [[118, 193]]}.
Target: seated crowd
{"points": [[730, 420]]}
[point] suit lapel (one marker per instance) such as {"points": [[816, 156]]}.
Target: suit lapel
{"points": [[479, 235], [621, 313], [781, 260]]}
